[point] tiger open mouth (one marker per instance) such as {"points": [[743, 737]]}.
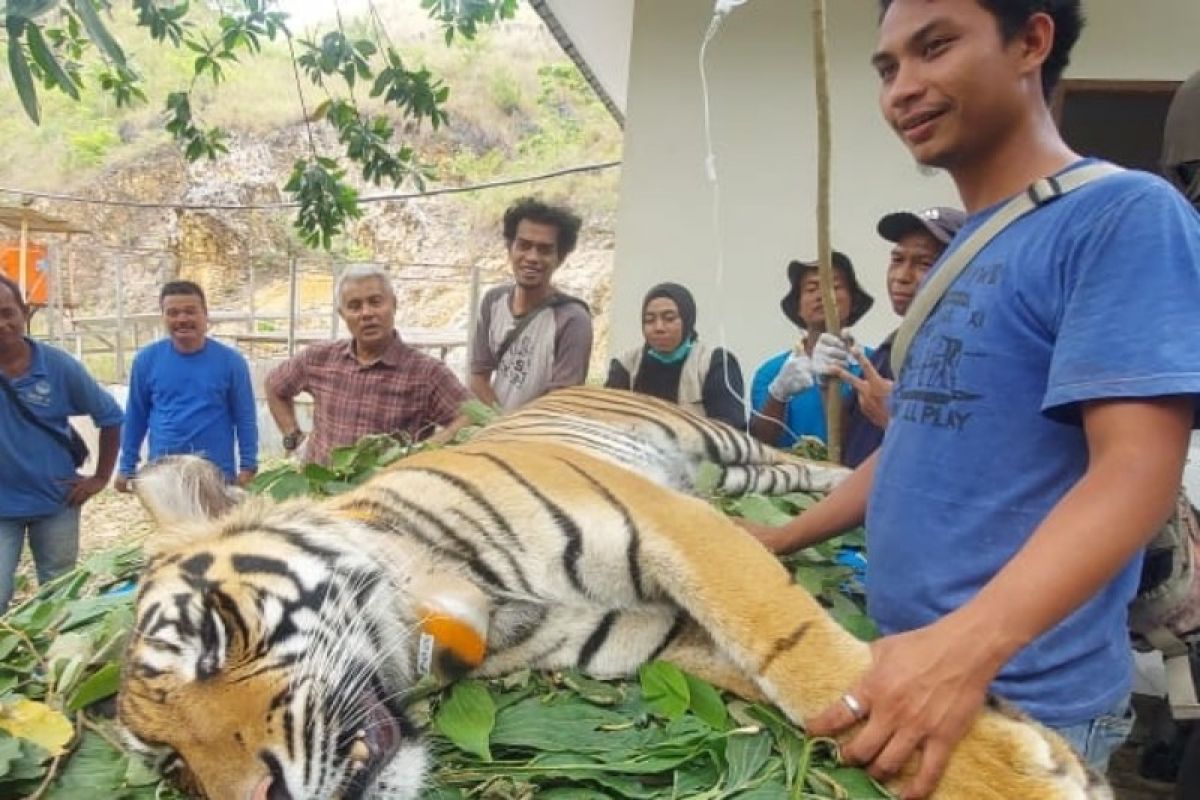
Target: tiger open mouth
{"points": [[374, 741]]}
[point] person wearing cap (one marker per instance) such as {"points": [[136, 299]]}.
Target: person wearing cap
{"points": [[785, 396], [1181, 140], [919, 239], [675, 365]]}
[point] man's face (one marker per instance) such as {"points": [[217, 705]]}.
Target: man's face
{"points": [[662, 325], [186, 321], [949, 85], [533, 255], [12, 318], [369, 310], [911, 258], [812, 310]]}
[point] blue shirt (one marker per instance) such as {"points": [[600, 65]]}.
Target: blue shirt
{"points": [[191, 403], [805, 412], [1092, 296], [35, 468]]}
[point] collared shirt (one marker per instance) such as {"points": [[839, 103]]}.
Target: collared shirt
{"points": [[35, 468], [404, 393]]}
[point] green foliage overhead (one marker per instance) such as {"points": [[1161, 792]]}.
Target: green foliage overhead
{"points": [[50, 41], [562, 735]]}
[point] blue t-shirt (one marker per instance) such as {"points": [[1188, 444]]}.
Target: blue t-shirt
{"points": [[191, 403], [1093, 296], [805, 412], [35, 468]]}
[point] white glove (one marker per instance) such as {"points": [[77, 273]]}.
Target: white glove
{"points": [[794, 377], [831, 352]]}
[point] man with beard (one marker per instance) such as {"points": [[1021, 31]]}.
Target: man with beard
{"points": [[191, 394], [531, 338]]}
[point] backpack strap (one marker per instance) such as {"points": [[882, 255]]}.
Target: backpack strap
{"points": [[553, 301], [32, 418], [1037, 195]]}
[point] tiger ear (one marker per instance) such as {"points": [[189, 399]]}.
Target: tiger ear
{"points": [[185, 490], [454, 616]]}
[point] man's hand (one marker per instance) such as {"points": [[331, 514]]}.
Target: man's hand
{"points": [[919, 697], [245, 476], [776, 538], [830, 354], [873, 389], [84, 489], [123, 484], [795, 376]]}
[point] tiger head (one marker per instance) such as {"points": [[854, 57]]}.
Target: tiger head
{"points": [[274, 646]]}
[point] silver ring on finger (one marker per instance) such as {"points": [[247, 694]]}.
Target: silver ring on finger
{"points": [[856, 708]]}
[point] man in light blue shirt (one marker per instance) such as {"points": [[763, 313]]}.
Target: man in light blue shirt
{"points": [[191, 393]]}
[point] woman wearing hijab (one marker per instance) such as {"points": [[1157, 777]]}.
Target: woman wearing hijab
{"points": [[674, 365]]}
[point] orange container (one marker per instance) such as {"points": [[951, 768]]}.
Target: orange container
{"points": [[37, 270]]}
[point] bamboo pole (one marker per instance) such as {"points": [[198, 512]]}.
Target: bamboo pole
{"points": [[833, 387]]}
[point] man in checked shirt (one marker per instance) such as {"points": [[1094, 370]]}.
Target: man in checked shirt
{"points": [[369, 383]]}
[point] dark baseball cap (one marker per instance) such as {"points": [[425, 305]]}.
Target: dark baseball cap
{"points": [[941, 222], [860, 301]]}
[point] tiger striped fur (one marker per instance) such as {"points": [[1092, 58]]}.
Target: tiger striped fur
{"points": [[662, 441], [274, 643]]}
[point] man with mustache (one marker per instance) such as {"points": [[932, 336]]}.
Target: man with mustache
{"points": [[531, 338], [190, 393], [370, 383], [918, 240], [1040, 421]]}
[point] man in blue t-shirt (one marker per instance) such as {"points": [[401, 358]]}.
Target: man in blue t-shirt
{"points": [[1040, 423], [40, 490], [785, 394], [191, 393]]}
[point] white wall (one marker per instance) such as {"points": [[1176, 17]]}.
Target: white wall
{"points": [[601, 32], [763, 112]]}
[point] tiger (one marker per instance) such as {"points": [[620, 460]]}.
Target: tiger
{"points": [[274, 643]]}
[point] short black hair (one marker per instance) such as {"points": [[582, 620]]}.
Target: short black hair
{"points": [[565, 221], [13, 287], [182, 287], [1011, 16]]}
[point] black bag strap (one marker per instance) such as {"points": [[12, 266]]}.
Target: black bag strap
{"points": [[553, 301], [1037, 195], [32, 418]]}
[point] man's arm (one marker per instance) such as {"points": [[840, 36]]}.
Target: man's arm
{"points": [[926, 686], [133, 432], [85, 488], [572, 348], [766, 423], [480, 384], [281, 387], [245, 420], [842, 509]]}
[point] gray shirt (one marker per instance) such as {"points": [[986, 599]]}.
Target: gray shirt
{"points": [[550, 353]]}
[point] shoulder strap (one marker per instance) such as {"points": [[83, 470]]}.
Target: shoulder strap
{"points": [[30, 417], [1037, 195], [554, 300]]}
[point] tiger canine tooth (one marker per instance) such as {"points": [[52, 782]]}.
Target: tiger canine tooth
{"points": [[360, 753]]}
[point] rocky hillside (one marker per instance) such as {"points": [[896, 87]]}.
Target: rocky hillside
{"points": [[518, 108]]}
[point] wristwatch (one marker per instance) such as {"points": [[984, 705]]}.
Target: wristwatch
{"points": [[292, 440]]}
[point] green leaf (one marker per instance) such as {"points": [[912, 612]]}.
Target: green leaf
{"points": [[97, 32], [467, 718], [289, 485], [102, 683], [746, 754], [665, 689], [18, 68], [594, 691], [706, 703], [858, 784], [45, 59], [760, 509]]}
